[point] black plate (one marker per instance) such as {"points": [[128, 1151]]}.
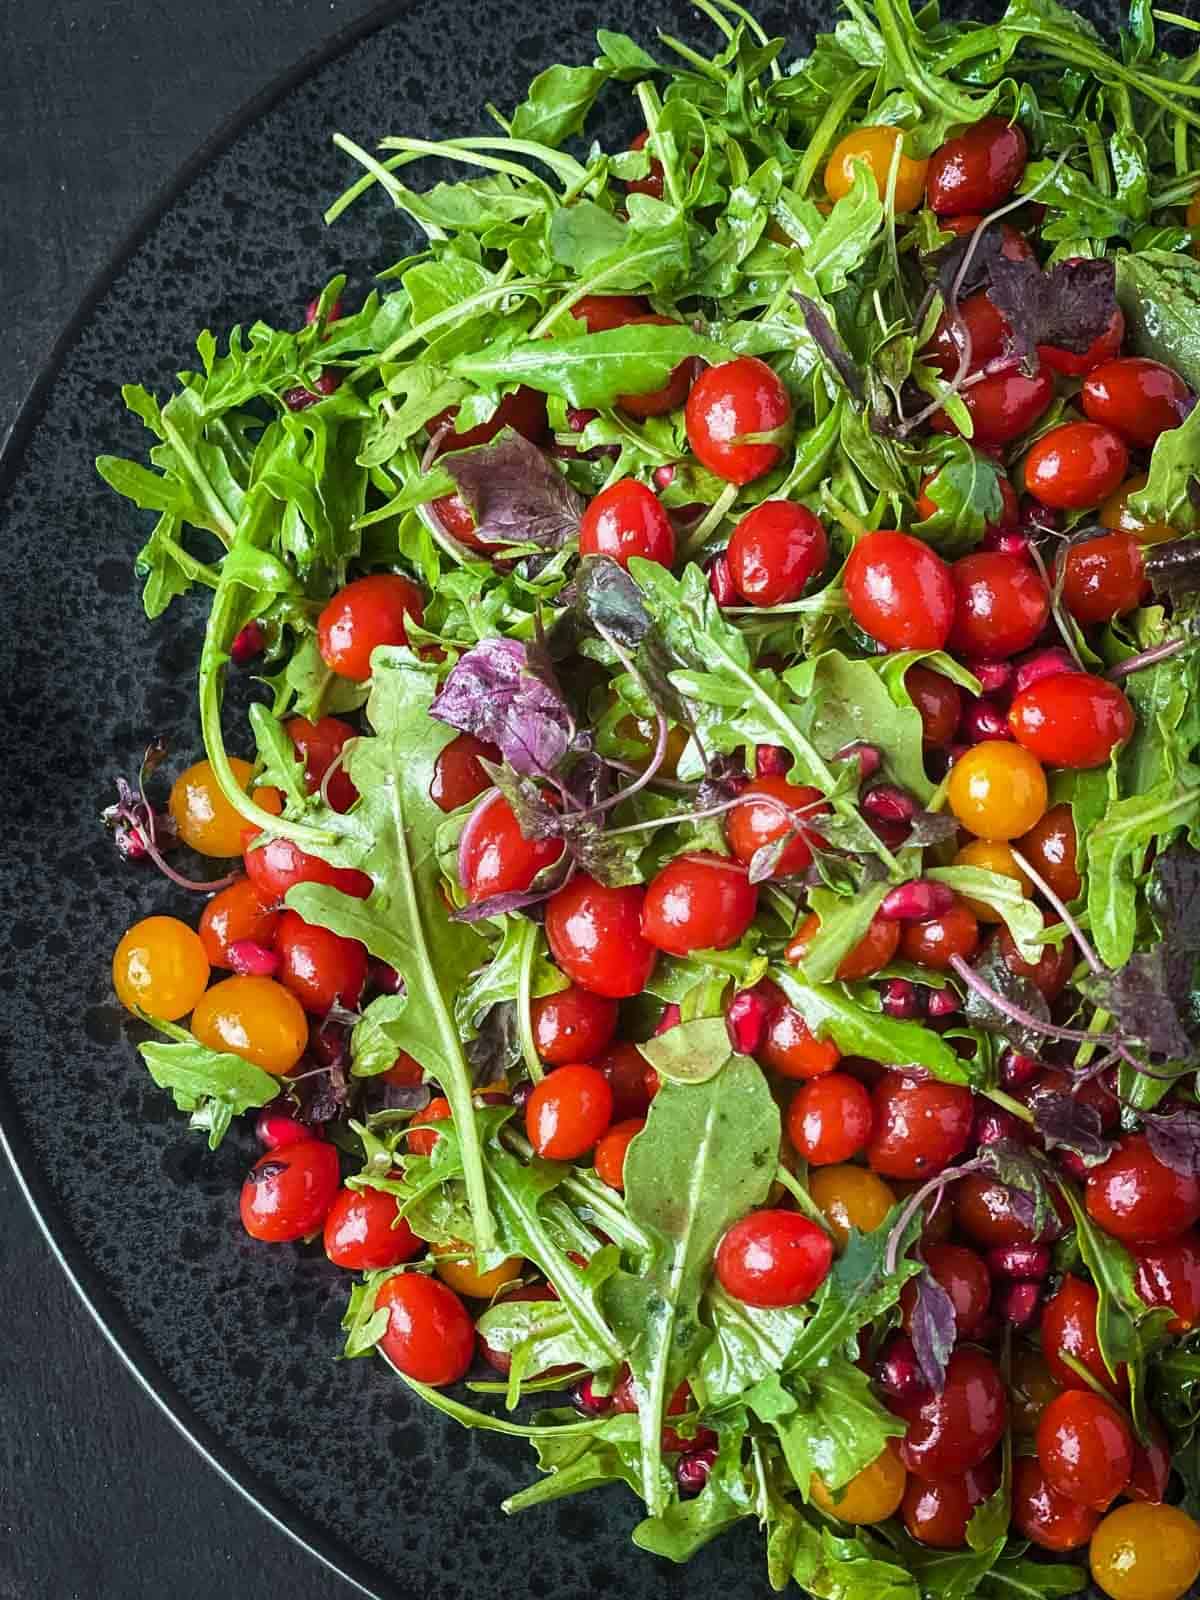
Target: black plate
{"points": [[236, 1341]]}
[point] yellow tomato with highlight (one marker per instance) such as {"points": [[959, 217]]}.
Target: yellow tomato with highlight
{"points": [[255, 1018], [160, 966], [204, 818]]}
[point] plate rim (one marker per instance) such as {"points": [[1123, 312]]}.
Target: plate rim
{"points": [[15, 1144]]}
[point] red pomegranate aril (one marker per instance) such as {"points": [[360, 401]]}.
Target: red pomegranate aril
{"points": [[994, 676], [898, 1372], [940, 1003], [586, 1399], [993, 1124], [771, 761], [671, 1018], [916, 901], [1018, 1304], [252, 960], [664, 476], [982, 721], [1025, 1263], [1017, 1070], [693, 1469], [868, 758], [1044, 664], [720, 581], [248, 644], [275, 1130], [899, 998], [1006, 541], [887, 802], [384, 978], [746, 1020], [578, 420]]}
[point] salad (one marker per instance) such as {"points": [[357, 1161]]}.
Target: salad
{"points": [[713, 904]]}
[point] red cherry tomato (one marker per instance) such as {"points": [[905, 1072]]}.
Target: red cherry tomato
{"points": [[1045, 1517], [873, 951], [1085, 1448], [1001, 605], [977, 170], [524, 410], [774, 1258], [980, 321], [1168, 1274], [495, 857], [654, 183], [624, 520], [1052, 971], [573, 1025], [939, 702], [595, 936], [989, 1213], [600, 313], [611, 1150], [1137, 1199], [958, 1429], [936, 1511], [698, 902], [236, 913], [729, 405], [364, 1232], [1140, 399], [366, 613], [1103, 348], [1071, 720], [320, 745], [900, 591], [830, 1119], [625, 1067], [289, 1191], [421, 1140], [568, 1111], [319, 966], [657, 402], [1095, 1094], [1069, 1327], [456, 516], [762, 817], [920, 1126], [1151, 1467], [965, 1278], [501, 1360], [1002, 407], [935, 942], [275, 866], [1014, 246], [775, 551], [789, 1049], [458, 776], [1105, 578], [1076, 466], [430, 1335], [1051, 846]]}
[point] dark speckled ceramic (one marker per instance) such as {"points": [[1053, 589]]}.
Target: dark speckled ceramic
{"points": [[236, 1340]]}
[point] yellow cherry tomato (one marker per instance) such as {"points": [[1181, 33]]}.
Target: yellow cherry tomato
{"points": [[873, 1496], [639, 730], [1031, 1388], [1115, 513], [160, 965], [459, 1272], [1144, 1552], [876, 146], [205, 820], [997, 790], [850, 1197], [992, 855], [255, 1018]]}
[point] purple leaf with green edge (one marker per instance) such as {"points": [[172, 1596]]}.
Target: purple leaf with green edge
{"points": [[496, 1046], [1174, 1139], [1066, 1120], [931, 827], [989, 245], [515, 493], [606, 597], [933, 1329], [498, 691], [828, 341], [1071, 306], [1019, 1169]]}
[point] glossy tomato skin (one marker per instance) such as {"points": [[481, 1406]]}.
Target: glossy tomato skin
{"points": [[601, 312], [965, 1277], [612, 1149], [986, 327], [274, 867], [1051, 847], [939, 702], [430, 1335], [1137, 1199], [936, 1511], [1002, 407], [935, 942], [524, 410], [1146, 1552], [1076, 466], [1045, 1517], [873, 951], [320, 967], [495, 857], [1141, 399], [204, 819], [458, 776], [876, 146], [1071, 720], [362, 1233], [1151, 1473], [1085, 1448], [1105, 578], [830, 1119], [900, 591], [624, 1066], [790, 1049], [1069, 1325], [236, 913], [920, 1126], [775, 551], [950, 1433], [761, 817], [320, 744], [1168, 1274], [978, 169], [727, 404], [698, 902], [422, 1140], [572, 1025], [255, 1018], [627, 519], [160, 966], [871, 1496], [568, 1111], [366, 613], [289, 1192], [989, 1214], [774, 1258], [595, 936], [1001, 605], [1102, 348]]}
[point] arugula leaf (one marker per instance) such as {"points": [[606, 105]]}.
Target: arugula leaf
{"points": [[1159, 292], [1115, 849], [557, 104], [692, 1052], [214, 1086], [832, 1012], [859, 1289], [749, 1344], [685, 1526], [594, 370], [1167, 495], [836, 1427]]}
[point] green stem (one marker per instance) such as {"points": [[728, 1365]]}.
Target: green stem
{"points": [[529, 942], [835, 115], [469, 1417], [652, 111]]}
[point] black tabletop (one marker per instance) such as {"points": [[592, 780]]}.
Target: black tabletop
{"points": [[100, 1498]]}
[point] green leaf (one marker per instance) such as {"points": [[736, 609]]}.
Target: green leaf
{"points": [[692, 1052], [749, 1345], [557, 104], [1115, 851], [832, 1012], [576, 1462], [845, 238], [848, 700], [1159, 292], [282, 766], [1174, 468], [1016, 1578], [857, 1291], [685, 1526], [965, 488], [214, 1086], [364, 1325], [1005, 896], [837, 1428], [844, 920], [373, 1039]]}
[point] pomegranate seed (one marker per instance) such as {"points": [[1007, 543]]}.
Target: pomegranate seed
{"points": [[892, 834], [720, 581], [310, 311], [771, 761], [299, 399], [746, 1021], [868, 758], [1016, 1069], [1072, 1162], [983, 720], [129, 842], [329, 381], [250, 642], [916, 901], [521, 1093], [1008, 541], [993, 1124], [1027, 1263], [994, 676], [898, 1372], [887, 802], [940, 1003], [386, 979], [252, 960], [1018, 1304], [578, 420], [274, 1129], [671, 1018], [664, 477], [327, 1041], [900, 999], [1043, 664], [692, 1470], [588, 1401]]}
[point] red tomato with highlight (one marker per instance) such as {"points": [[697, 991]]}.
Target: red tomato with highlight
{"points": [[421, 1140], [1045, 1517], [319, 745], [430, 1335], [568, 1111], [936, 941], [289, 1191], [984, 324], [595, 936], [1071, 720], [572, 1025], [900, 591], [236, 913], [958, 1429], [1002, 407], [939, 702], [873, 951], [524, 410], [275, 866], [1168, 1274], [1085, 1448], [1141, 399], [364, 1232], [729, 406], [1069, 1327], [775, 552], [936, 1511], [624, 520], [366, 613], [320, 967], [830, 1119], [1076, 466], [774, 1258], [978, 169], [1102, 348], [921, 1125], [1105, 578], [1137, 1199], [1001, 605], [698, 902], [612, 1149], [964, 1276], [657, 402], [989, 1213], [495, 857], [458, 774], [769, 809], [789, 1049]]}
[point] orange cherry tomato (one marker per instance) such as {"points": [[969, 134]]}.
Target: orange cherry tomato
{"points": [[998, 790], [876, 147], [204, 819], [255, 1018], [160, 967], [610, 1151]]}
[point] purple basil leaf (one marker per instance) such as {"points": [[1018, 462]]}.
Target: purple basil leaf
{"points": [[499, 692], [827, 340], [723, 780], [1175, 1141], [989, 248], [1019, 1170], [1065, 1119], [612, 861], [768, 856], [501, 905], [496, 1046], [1022, 992], [932, 827], [1174, 568], [934, 1329], [515, 493], [1071, 306]]}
